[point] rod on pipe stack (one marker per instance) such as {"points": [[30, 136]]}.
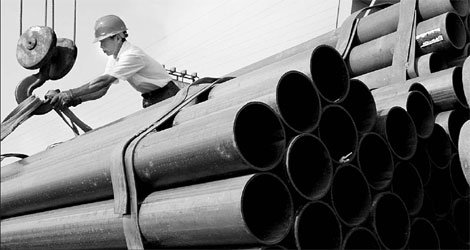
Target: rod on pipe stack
{"points": [[423, 235], [461, 218], [417, 106], [230, 211], [407, 184], [239, 140], [361, 105], [386, 19], [452, 121], [457, 177], [292, 95], [307, 168], [375, 160], [338, 131], [439, 147], [360, 238], [397, 128], [448, 28], [350, 195], [323, 64], [390, 221]]}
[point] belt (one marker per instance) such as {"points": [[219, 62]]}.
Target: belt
{"points": [[159, 90]]}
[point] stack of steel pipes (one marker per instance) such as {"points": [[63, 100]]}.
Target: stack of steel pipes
{"points": [[294, 153]]}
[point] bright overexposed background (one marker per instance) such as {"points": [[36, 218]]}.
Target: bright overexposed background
{"points": [[210, 37]]}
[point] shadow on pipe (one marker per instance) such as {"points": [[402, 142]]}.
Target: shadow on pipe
{"points": [[338, 131], [350, 195], [452, 121], [407, 184], [360, 238], [423, 235], [461, 218], [398, 129], [439, 147], [375, 160], [457, 177], [308, 168], [390, 220], [360, 104]]}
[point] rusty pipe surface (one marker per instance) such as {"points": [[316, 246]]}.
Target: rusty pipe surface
{"points": [[390, 220], [457, 177], [244, 210], [350, 195], [441, 33], [323, 64], [397, 128], [386, 19], [234, 141], [229, 211], [416, 104], [460, 218], [288, 94], [424, 65], [407, 184], [375, 160], [361, 105], [360, 238], [338, 131], [423, 235], [307, 167], [452, 121], [439, 147]]}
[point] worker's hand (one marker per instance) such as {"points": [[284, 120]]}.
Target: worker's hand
{"points": [[62, 99]]}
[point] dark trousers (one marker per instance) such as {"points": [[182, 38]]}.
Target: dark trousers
{"points": [[160, 94]]}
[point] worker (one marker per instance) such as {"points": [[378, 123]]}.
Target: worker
{"points": [[126, 62]]}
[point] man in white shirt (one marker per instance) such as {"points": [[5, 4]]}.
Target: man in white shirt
{"points": [[126, 62]]}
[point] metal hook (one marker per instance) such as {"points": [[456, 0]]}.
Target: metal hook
{"points": [[26, 87]]}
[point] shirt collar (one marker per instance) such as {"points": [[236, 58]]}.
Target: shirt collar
{"points": [[124, 47]]}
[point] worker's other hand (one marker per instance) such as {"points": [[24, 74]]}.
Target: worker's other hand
{"points": [[59, 100]]}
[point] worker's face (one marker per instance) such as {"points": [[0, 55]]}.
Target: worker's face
{"points": [[110, 45]]}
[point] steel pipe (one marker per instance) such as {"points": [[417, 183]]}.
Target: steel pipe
{"points": [[360, 238], [307, 167], [422, 162], [423, 235], [448, 236], [338, 131], [397, 128], [466, 80], [350, 195], [424, 65], [457, 177], [247, 139], [417, 106], [464, 150], [441, 33], [439, 147], [390, 221], [452, 121], [458, 59], [407, 184], [461, 218], [323, 64], [375, 160], [386, 19], [293, 96], [440, 192], [361, 105], [230, 211]]}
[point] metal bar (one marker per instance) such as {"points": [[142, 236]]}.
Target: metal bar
{"points": [[407, 184]]}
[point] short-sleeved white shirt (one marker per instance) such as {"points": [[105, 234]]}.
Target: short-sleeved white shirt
{"points": [[133, 65]]}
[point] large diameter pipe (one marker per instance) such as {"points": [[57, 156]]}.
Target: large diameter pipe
{"points": [[230, 211], [307, 167], [457, 177], [452, 121], [423, 235], [292, 95], [461, 218], [439, 147], [440, 192], [386, 19], [397, 128], [361, 105], [464, 150], [422, 162], [424, 65], [375, 160], [246, 139], [466, 79], [448, 236], [360, 238], [407, 184], [390, 220], [441, 33], [338, 131], [323, 64], [417, 106], [350, 195]]}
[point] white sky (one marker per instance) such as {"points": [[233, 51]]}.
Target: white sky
{"points": [[210, 37]]}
